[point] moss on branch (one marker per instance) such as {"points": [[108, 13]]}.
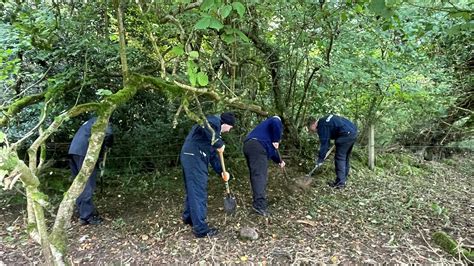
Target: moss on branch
{"points": [[18, 105], [450, 245]]}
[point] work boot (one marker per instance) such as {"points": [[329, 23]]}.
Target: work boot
{"points": [[210, 233], [336, 185], [188, 222], [93, 220], [261, 212]]}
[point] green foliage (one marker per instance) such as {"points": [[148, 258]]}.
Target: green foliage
{"points": [[392, 63], [449, 245]]}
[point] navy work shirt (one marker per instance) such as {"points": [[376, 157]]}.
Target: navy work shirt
{"points": [[201, 136], [80, 142], [333, 127], [267, 132]]}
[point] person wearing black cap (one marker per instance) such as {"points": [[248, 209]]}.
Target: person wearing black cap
{"points": [[261, 144], [199, 149]]}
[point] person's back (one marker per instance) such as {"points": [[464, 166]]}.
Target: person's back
{"points": [[80, 142], [333, 126], [201, 135], [267, 132]]}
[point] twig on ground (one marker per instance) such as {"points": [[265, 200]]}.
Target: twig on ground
{"points": [[432, 249]]}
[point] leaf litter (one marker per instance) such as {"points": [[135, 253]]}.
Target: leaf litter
{"points": [[382, 216]]}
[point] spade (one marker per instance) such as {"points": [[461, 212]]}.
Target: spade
{"points": [[229, 200]]}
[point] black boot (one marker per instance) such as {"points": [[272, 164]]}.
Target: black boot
{"points": [[210, 233]]}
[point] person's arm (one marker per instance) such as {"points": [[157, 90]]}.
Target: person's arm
{"points": [[215, 162], [324, 139], [275, 156], [215, 124], [276, 130]]}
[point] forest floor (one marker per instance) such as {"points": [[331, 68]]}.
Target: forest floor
{"points": [[384, 216]]}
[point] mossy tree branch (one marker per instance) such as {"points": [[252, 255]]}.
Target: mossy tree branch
{"points": [[178, 89], [18, 105]]}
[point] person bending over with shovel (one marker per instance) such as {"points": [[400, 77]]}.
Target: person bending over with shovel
{"points": [[199, 149], [344, 134], [260, 145], [77, 152]]}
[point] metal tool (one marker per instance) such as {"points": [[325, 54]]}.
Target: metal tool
{"points": [[229, 200], [283, 168], [102, 169], [317, 166]]}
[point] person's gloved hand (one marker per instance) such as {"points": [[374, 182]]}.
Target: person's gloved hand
{"points": [[317, 163], [282, 164], [221, 149], [225, 176]]}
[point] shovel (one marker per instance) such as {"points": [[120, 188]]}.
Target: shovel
{"points": [[307, 180], [229, 199]]}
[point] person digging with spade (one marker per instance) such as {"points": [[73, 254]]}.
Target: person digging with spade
{"points": [[344, 134], [260, 145], [199, 149]]}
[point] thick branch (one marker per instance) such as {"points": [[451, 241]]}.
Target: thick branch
{"points": [[178, 89], [18, 105]]}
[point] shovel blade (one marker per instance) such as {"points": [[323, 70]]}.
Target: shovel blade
{"points": [[230, 204]]}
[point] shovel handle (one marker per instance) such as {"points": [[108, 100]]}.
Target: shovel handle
{"points": [[221, 158]]}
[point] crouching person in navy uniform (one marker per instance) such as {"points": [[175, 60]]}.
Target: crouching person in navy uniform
{"points": [[344, 134], [260, 145], [77, 152], [198, 151]]}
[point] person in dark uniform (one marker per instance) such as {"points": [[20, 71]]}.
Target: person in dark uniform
{"points": [[200, 149], [260, 145], [344, 134], [77, 152]]}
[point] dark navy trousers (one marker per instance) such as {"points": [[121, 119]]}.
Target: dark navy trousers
{"points": [[344, 146], [84, 203], [257, 162], [195, 172]]}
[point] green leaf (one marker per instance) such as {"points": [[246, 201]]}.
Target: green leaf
{"points": [[239, 7], [225, 11], [202, 78], [192, 79], [103, 92], [192, 67], [2, 137], [194, 54], [207, 4], [377, 6], [216, 24], [113, 37], [228, 38], [178, 50], [203, 23], [242, 36]]}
